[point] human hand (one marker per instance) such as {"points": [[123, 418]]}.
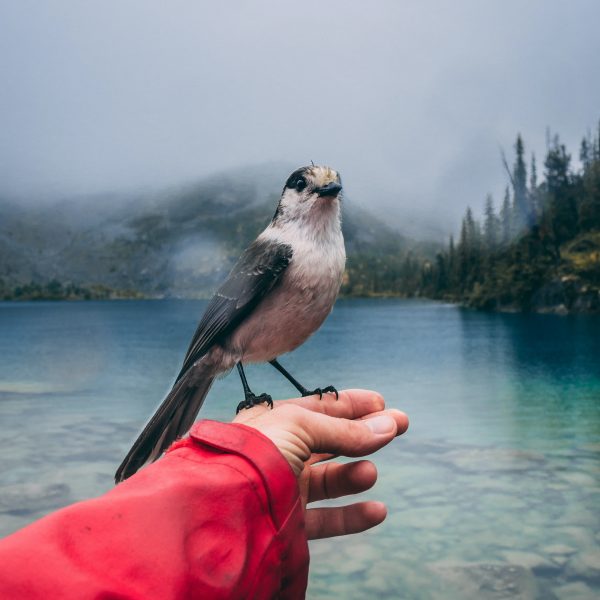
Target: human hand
{"points": [[308, 431]]}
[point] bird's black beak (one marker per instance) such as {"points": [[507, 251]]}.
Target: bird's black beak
{"points": [[331, 189]]}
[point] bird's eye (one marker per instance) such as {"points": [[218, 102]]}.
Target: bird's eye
{"points": [[300, 184]]}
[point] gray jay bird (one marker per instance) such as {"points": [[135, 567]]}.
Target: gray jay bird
{"points": [[278, 294]]}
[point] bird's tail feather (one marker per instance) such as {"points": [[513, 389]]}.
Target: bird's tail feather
{"points": [[173, 418]]}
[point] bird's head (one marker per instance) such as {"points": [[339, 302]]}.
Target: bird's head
{"points": [[310, 194]]}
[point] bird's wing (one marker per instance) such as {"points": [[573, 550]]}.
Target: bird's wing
{"points": [[254, 275]]}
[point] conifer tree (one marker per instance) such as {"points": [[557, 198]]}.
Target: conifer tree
{"points": [[533, 191], [441, 274], [463, 255], [506, 219], [562, 209], [585, 153], [490, 228], [452, 265], [589, 213], [522, 216]]}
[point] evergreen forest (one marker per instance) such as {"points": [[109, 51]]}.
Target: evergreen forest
{"points": [[536, 250], [540, 250]]}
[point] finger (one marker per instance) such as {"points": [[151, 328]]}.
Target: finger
{"points": [[354, 518], [351, 404], [322, 433], [347, 404], [317, 458], [401, 418], [335, 479], [402, 423]]}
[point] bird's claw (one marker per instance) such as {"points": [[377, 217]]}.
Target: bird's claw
{"points": [[331, 390], [252, 400], [326, 390]]}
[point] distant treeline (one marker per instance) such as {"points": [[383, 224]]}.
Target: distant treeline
{"points": [[540, 250], [55, 290], [384, 274]]}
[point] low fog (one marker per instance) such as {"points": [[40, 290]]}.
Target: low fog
{"points": [[412, 101]]}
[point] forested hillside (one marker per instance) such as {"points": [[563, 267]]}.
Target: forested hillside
{"points": [[179, 242], [541, 250], [538, 251]]}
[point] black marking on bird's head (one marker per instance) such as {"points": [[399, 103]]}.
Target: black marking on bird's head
{"points": [[297, 180], [306, 185]]}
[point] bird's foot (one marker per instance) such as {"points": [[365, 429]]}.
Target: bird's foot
{"points": [[252, 400], [326, 390]]}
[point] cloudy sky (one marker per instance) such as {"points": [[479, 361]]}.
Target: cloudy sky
{"points": [[410, 100]]}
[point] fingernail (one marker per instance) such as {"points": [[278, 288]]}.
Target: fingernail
{"points": [[381, 424]]}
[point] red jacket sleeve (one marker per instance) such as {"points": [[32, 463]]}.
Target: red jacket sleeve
{"points": [[219, 516]]}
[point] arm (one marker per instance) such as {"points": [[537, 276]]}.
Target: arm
{"points": [[218, 517], [222, 515]]}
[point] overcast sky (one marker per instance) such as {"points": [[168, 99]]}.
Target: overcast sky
{"points": [[411, 101]]}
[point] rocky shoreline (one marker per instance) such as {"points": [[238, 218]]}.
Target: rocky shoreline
{"points": [[566, 295]]}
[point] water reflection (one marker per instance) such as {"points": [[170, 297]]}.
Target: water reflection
{"points": [[544, 372]]}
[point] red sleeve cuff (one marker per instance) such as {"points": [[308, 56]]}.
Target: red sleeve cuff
{"points": [[290, 546], [277, 475]]}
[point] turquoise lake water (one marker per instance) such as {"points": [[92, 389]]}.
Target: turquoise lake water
{"points": [[494, 492]]}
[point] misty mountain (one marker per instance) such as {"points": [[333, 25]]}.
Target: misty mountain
{"points": [[179, 242]]}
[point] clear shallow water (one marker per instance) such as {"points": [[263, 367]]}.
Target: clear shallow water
{"points": [[493, 493]]}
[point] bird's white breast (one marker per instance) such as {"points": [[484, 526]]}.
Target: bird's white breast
{"points": [[301, 300]]}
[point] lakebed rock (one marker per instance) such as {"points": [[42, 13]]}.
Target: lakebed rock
{"points": [[488, 581], [30, 498]]}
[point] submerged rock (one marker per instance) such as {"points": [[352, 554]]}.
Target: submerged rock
{"points": [[476, 459], [30, 498], [575, 591], [488, 581], [585, 566]]}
